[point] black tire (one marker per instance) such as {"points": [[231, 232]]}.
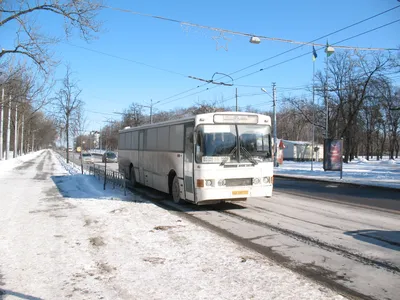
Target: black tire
{"points": [[176, 191], [132, 177]]}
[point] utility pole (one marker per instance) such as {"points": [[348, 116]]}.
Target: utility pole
{"points": [[22, 134], [8, 130], [33, 140], [313, 114], [16, 132], [236, 101], [329, 50], [274, 116], [326, 107], [151, 111], [1, 123]]}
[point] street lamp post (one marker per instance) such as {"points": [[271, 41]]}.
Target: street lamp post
{"points": [[151, 109], [274, 120], [329, 50]]}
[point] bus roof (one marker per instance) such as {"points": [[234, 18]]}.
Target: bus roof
{"points": [[170, 122], [186, 119]]}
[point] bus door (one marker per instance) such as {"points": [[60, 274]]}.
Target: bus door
{"points": [[188, 163], [141, 161]]}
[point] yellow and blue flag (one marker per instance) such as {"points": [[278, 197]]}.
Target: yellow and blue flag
{"points": [[314, 54]]}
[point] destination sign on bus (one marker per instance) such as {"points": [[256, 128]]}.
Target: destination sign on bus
{"points": [[242, 119]]}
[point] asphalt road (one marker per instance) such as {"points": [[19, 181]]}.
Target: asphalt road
{"points": [[74, 157], [351, 248], [376, 197]]}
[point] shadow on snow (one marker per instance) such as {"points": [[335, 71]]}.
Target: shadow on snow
{"points": [[81, 187], [382, 238]]}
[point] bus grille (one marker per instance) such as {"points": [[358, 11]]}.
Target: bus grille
{"points": [[238, 181]]}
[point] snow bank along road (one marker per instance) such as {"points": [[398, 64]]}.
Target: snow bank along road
{"points": [[61, 241]]}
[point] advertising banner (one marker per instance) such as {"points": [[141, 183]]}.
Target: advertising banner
{"points": [[333, 155]]}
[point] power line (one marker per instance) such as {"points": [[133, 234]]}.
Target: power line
{"points": [[321, 37], [285, 52], [100, 113], [222, 30], [128, 59], [308, 53]]}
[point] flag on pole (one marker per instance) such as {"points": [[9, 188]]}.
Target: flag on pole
{"points": [[314, 54]]}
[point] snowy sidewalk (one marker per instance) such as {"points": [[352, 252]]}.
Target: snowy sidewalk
{"points": [[63, 237]]}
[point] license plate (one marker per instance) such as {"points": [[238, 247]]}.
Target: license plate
{"points": [[240, 192]]}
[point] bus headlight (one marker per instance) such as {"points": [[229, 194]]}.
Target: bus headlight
{"points": [[208, 183], [221, 182], [256, 180], [268, 180]]}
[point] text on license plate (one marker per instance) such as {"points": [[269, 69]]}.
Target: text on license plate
{"points": [[240, 192]]}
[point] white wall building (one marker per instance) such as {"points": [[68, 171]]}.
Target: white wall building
{"points": [[301, 151]]}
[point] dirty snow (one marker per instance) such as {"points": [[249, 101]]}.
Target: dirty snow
{"points": [[62, 236]]}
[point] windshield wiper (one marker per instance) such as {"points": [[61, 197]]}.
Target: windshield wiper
{"points": [[223, 162], [248, 155]]}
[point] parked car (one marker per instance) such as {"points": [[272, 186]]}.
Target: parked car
{"points": [[110, 156], [87, 158]]}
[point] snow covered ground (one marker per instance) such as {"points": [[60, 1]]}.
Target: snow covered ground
{"points": [[384, 172], [62, 236]]}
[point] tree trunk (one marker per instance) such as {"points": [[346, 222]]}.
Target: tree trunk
{"points": [[67, 134]]}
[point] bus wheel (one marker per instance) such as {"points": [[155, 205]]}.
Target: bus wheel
{"points": [[132, 177], [176, 191]]}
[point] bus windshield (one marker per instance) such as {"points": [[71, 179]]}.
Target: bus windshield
{"points": [[218, 143]]}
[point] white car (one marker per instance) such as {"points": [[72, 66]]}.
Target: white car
{"points": [[87, 158]]}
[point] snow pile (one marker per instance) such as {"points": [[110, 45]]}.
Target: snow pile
{"points": [[385, 173], [6, 165], [70, 167]]}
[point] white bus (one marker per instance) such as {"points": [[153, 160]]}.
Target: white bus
{"points": [[207, 158]]}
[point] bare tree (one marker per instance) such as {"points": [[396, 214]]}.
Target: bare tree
{"points": [[79, 123], [67, 103], [350, 78], [202, 107], [133, 116], [29, 41]]}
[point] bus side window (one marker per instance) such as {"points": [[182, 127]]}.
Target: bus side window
{"points": [[189, 144]]}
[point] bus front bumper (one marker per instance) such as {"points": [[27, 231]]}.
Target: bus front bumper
{"points": [[232, 193]]}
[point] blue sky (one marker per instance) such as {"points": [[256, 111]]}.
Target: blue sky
{"points": [[112, 84]]}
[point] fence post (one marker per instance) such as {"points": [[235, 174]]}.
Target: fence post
{"points": [[105, 173], [113, 180]]}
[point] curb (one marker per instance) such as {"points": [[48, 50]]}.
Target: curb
{"points": [[321, 180]]}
